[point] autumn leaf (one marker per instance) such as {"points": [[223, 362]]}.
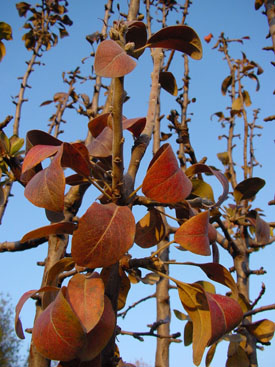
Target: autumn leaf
{"points": [[247, 189], [192, 235], [150, 230], [57, 228], [111, 61], [181, 38], [263, 330], [86, 297], [165, 181], [168, 82], [101, 239], [57, 332], [208, 37]]}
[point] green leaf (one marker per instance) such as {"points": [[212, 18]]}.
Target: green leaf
{"points": [[202, 189], [16, 144]]}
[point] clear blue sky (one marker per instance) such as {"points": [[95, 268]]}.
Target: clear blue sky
{"points": [[236, 19]]}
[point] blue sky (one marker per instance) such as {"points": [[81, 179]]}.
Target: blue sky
{"points": [[236, 19]]}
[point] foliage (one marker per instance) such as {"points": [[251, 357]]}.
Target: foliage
{"points": [[9, 343], [77, 324]]}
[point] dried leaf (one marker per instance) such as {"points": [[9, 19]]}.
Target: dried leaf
{"points": [[226, 84]]}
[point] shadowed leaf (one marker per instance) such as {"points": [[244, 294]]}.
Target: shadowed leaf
{"points": [[164, 180], [226, 83], [135, 125], [181, 38], [124, 288], [57, 228], [150, 229], [168, 82], [76, 156], [248, 188], [192, 235], [101, 146], [200, 168], [101, 239], [137, 33], [111, 61]]}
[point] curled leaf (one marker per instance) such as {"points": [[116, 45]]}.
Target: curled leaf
{"points": [[150, 230]]}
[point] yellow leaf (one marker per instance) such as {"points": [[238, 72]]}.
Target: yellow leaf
{"points": [[263, 330], [237, 104]]}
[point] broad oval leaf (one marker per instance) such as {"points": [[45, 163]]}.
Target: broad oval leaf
{"points": [[165, 181], [86, 297], [37, 154], [137, 33], [101, 146], [181, 38], [168, 82], [111, 61], [46, 188], [57, 332], [135, 125], [57, 228], [101, 238], [150, 230], [247, 189], [76, 156], [192, 235]]}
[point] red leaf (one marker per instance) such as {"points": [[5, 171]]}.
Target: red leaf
{"points": [[101, 146], [208, 37], [76, 156], [57, 332], [135, 125], [37, 154], [97, 124], [181, 38], [164, 180], [98, 338], [101, 239], [86, 296], [57, 228], [226, 314], [193, 234], [150, 230], [111, 61], [46, 188]]}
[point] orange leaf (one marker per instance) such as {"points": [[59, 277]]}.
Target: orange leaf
{"points": [[168, 82], [164, 180], [57, 228], [37, 154], [57, 332], [76, 156], [192, 235], [208, 37], [111, 61], [101, 239], [98, 338], [181, 38], [86, 297]]}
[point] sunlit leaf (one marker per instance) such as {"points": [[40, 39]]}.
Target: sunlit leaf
{"points": [[135, 125], [180, 315], [57, 332], [37, 154], [181, 38], [150, 230], [219, 274], [101, 146], [5, 31], [100, 239], [164, 180], [200, 168], [99, 336], [246, 98], [46, 188], [86, 297], [111, 61], [22, 8], [76, 156], [263, 330], [192, 235], [237, 104], [224, 158], [56, 228], [202, 189]]}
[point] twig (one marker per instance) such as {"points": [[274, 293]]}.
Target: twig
{"points": [[260, 309], [124, 313], [4, 123], [18, 246], [259, 296]]}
